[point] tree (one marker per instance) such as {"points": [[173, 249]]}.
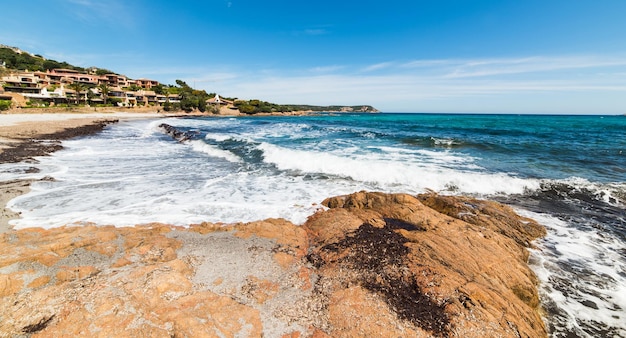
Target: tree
{"points": [[103, 71], [5, 104], [160, 89], [104, 90], [91, 95], [134, 88], [77, 87]]}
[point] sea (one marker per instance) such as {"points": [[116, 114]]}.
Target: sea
{"points": [[566, 172]]}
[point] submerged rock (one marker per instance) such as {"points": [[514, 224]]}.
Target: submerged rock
{"points": [[373, 264]]}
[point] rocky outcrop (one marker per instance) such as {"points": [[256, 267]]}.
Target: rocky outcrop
{"points": [[436, 273], [370, 265], [178, 135]]}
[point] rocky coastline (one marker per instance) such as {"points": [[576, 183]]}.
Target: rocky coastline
{"points": [[366, 264]]}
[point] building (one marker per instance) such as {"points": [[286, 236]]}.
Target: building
{"points": [[217, 100], [54, 86]]}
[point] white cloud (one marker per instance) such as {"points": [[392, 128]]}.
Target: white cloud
{"points": [[113, 12], [315, 31], [326, 69], [377, 66], [458, 68], [537, 84]]}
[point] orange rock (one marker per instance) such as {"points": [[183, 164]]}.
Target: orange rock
{"points": [[260, 290], [372, 265], [10, 284], [121, 262], [75, 273], [39, 282], [463, 274]]}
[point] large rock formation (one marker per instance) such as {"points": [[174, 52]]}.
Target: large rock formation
{"points": [[370, 265]]}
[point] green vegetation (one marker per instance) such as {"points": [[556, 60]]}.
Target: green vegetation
{"points": [[133, 88], [104, 90], [23, 61], [104, 71], [361, 108], [5, 104], [257, 106], [188, 99], [78, 88]]}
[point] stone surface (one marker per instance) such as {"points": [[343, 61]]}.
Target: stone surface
{"points": [[370, 265]]}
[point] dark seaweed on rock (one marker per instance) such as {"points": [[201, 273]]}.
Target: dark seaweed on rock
{"points": [[378, 256], [42, 324]]}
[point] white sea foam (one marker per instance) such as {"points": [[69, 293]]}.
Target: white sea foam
{"points": [[582, 273], [217, 137], [387, 174], [201, 146], [611, 193], [132, 174]]}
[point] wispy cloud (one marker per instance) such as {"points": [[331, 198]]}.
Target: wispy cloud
{"points": [[315, 31], [113, 12], [533, 84], [326, 69], [459, 68], [377, 66]]}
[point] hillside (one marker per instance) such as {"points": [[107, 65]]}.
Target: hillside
{"points": [[17, 59], [13, 58]]}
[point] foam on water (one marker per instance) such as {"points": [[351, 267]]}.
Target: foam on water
{"points": [[583, 279], [237, 170], [201, 146], [397, 173], [133, 174]]}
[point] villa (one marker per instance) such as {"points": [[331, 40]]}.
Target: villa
{"points": [[54, 87]]}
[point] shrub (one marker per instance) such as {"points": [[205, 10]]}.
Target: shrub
{"points": [[5, 104]]}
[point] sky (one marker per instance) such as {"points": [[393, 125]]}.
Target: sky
{"points": [[455, 56]]}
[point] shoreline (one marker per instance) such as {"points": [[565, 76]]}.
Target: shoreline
{"points": [[26, 135], [369, 258], [29, 132]]}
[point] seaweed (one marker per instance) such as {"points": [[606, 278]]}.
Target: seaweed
{"points": [[379, 255], [42, 324]]}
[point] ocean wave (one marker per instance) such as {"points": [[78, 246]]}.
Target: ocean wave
{"points": [[213, 151], [582, 282], [576, 188], [393, 174]]}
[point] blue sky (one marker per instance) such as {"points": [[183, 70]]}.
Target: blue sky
{"points": [[522, 56]]}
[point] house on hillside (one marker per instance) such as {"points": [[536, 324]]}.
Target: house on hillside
{"points": [[115, 80], [147, 97], [146, 84], [217, 100], [22, 82]]}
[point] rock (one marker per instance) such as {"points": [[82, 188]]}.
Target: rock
{"points": [[439, 275], [373, 264]]}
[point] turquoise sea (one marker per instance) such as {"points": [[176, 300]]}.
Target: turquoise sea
{"points": [[567, 172]]}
